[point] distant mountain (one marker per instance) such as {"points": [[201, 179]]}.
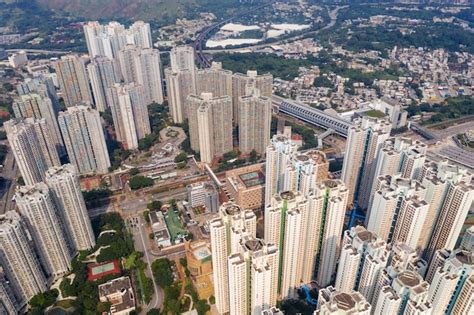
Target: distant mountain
{"points": [[162, 11]]}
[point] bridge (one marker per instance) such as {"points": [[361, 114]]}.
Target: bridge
{"points": [[311, 115]]}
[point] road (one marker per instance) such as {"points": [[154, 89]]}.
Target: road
{"points": [[141, 241], [199, 42], [453, 130]]}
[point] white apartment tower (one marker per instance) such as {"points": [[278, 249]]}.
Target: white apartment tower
{"points": [[180, 84], [214, 80], [103, 74], [394, 198], [451, 289], [130, 114], [304, 227], [263, 83], [41, 214], [31, 144], [182, 58], [8, 301], [210, 128], [226, 232], [84, 138], [143, 67], [253, 275], [40, 106], [449, 195], [19, 260], [64, 185], [334, 301], [363, 256], [364, 141], [73, 80], [278, 155], [254, 121], [107, 40]]}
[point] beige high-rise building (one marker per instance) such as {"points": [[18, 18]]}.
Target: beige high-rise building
{"points": [[209, 125], [363, 256], [180, 84], [64, 185], [18, 259], [391, 193], [40, 106], [8, 302], [32, 148], [226, 231], [214, 80], [107, 40], [142, 66], [130, 114], [409, 223], [263, 83], [451, 289], [291, 220], [254, 121], [103, 74], [182, 58], [364, 141], [41, 214], [73, 80], [84, 138], [306, 170], [333, 301]]}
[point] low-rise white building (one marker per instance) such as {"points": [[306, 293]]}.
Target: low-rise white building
{"points": [[119, 293]]}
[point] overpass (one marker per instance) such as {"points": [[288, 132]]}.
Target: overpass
{"points": [[311, 115]]}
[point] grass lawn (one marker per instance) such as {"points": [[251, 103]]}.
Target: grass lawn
{"points": [[374, 113]]}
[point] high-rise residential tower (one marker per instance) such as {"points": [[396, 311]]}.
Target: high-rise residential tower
{"points": [[32, 148], [64, 185], [73, 80], [451, 289], [226, 231], [364, 141], [254, 121], [182, 58], [263, 82], [84, 138], [130, 114], [209, 125], [180, 84], [41, 214], [449, 195], [333, 301], [142, 66], [214, 80], [107, 40], [363, 256], [397, 198], [278, 155], [37, 106], [103, 74], [8, 302], [19, 260], [307, 228]]}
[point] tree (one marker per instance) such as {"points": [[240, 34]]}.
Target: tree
{"points": [[154, 205], [146, 216], [134, 171], [138, 182], [162, 272], [43, 300], [182, 157], [253, 156], [153, 311]]}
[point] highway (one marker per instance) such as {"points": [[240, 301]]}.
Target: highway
{"points": [[199, 42]]}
